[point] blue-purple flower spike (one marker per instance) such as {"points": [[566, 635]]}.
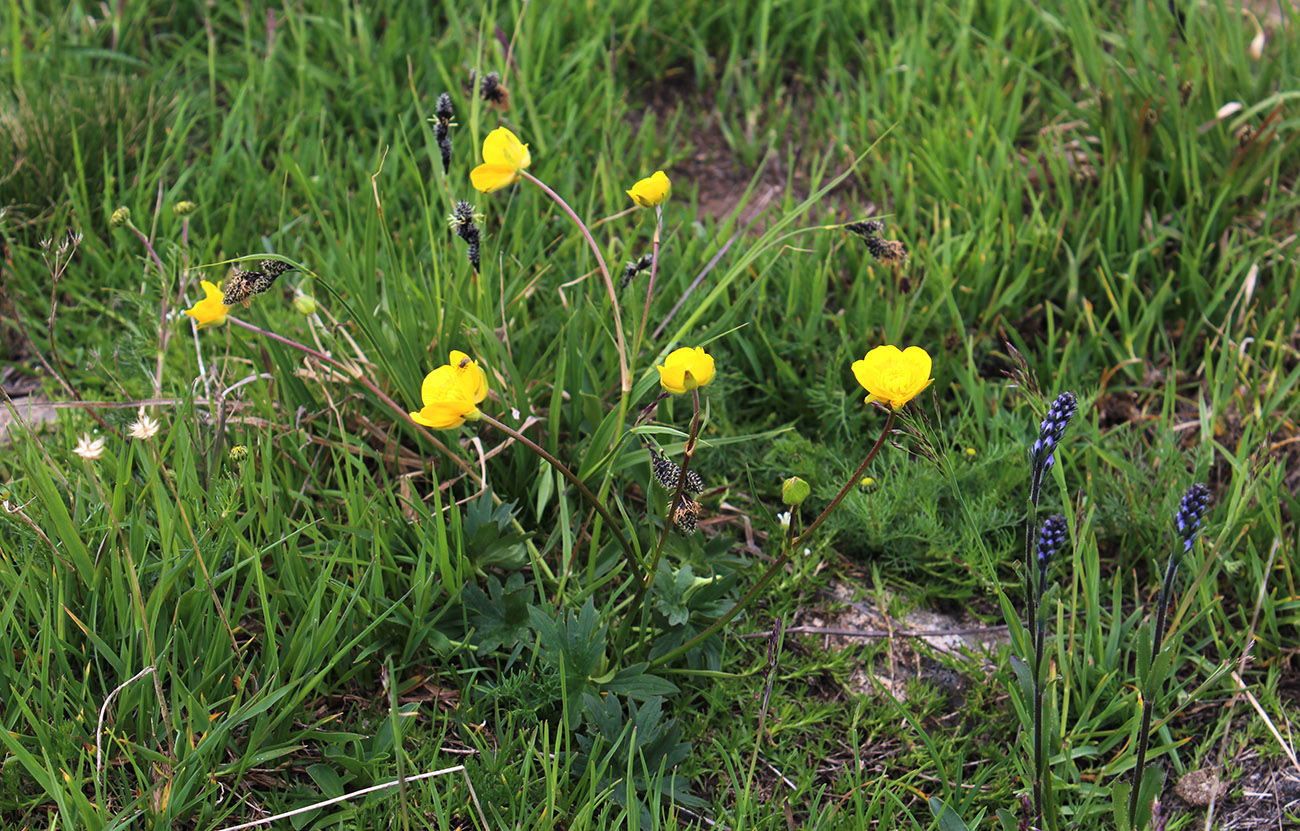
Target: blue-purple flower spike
{"points": [[1196, 501], [1053, 428], [1050, 539]]}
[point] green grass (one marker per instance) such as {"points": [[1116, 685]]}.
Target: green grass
{"points": [[321, 619]]}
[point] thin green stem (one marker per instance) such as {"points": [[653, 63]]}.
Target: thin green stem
{"points": [[638, 602], [781, 561], [1148, 702], [624, 373], [853, 480], [629, 552], [650, 289]]}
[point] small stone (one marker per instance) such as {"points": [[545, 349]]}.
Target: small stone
{"points": [[1197, 787]]}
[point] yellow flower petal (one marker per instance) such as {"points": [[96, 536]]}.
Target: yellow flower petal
{"points": [[651, 191], [685, 369], [893, 376], [503, 157], [490, 177], [450, 393], [209, 311]]}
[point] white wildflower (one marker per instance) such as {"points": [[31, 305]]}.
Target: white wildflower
{"points": [[89, 450], [144, 427], [784, 519]]}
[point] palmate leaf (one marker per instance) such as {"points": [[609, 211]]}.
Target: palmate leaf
{"points": [[641, 741], [489, 542], [572, 643], [499, 616]]}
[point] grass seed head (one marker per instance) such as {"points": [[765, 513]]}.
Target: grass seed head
{"points": [[494, 92]]}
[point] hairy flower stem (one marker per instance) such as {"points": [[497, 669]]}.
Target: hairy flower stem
{"points": [[638, 602], [1148, 702], [776, 567], [628, 552], [624, 373], [654, 269]]}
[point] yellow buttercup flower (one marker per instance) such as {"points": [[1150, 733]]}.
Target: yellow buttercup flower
{"points": [[209, 311], [652, 191], [503, 157], [893, 376], [451, 393], [686, 369]]}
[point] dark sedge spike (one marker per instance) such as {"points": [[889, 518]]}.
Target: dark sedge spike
{"points": [[441, 130], [494, 92], [634, 267], [866, 228], [687, 515], [443, 109], [886, 250], [668, 473], [462, 222], [274, 268], [239, 288], [472, 253]]}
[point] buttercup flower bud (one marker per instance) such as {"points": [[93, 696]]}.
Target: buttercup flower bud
{"points": [[238, 453], [305, 304], [120, 217], [184, 208], [794, 491]]}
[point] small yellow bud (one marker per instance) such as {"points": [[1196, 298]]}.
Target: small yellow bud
{"points": [[238, 453], [970, 451], [120, 217], [867, 483], [184, 208]]}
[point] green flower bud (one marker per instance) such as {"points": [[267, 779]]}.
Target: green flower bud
{"points": [[120, 217], [794, 491], [184, 208], [238, 453], [305, 304]]}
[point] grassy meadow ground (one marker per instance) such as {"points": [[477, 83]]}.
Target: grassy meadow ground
{"points": [[292, 592]]}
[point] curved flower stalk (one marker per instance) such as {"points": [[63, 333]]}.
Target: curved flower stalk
{"points": [[1052, 534], [505, 161], [651, 192]]}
